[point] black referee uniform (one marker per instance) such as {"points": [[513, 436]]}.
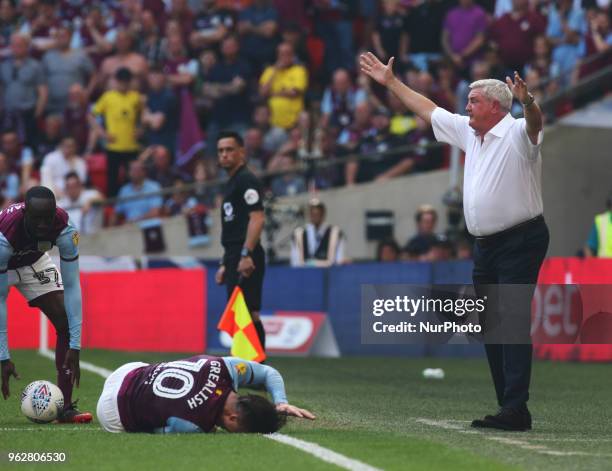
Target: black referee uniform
{"points": [[242, 195]]}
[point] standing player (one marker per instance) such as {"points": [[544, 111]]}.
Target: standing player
{"points": [[27, 231], [242, 220], [196, 394]]}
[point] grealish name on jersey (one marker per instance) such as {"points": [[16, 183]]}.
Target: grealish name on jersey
{"points": [[209, 388]]}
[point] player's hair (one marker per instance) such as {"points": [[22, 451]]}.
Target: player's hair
{"points": [[258, 415], [41, 192], [231, 134], [494, 90]]}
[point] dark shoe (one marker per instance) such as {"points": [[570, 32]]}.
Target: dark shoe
{"points": [[71, 415], [506, 419]]}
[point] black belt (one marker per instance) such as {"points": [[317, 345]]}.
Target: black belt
{"points": [[485, 240]]}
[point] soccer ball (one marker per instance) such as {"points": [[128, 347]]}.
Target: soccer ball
{"points": [[42, 401]]}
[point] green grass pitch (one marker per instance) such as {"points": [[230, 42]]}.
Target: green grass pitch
{"points": [[376, 410]]}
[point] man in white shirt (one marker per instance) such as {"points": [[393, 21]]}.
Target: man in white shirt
{"points": [[317, 244], [80, 204], [57, 164], [502, 202]]}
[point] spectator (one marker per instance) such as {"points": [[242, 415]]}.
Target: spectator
{"points": [[340, 100], [64, 67], [211, 26], [20, 158], [273, 136], [295, 35], [542, 61], [464, 33], [42, 28], [350, 137], [378, 145], [390, 35], [161, 114], [598, 40], [425, 24], [258, 27], [8, 25], [25, 90], [183, 16], [283, 85], [227, 87], [94, 36], [149, 40], [181, 201], [53, 129], [426, 219], [317, 244], [180, 69], [464, 249], [441, 250], [387, 250], [566, 29], [289, 182], [82, 205], [402, 121], [134, 210], [515, 32], [158, 161], [124, 58], [29, 14], [325, 175], [256, 156], [76, 118], [426, 155], [58, 164], [9, 183], [121, 110], [600, 238]]}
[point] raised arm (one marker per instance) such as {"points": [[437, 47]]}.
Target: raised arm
{"points": [[531, 110], [383, 74]]}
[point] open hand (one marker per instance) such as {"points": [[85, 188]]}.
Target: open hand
{"points": [[8, 370], [293, 411], [373, 67], [518, 88]]}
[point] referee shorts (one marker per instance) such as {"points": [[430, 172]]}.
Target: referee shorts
{"points": [[251, 286]]}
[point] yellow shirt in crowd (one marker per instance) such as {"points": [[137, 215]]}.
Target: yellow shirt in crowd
{"points": [[284, 111], [121, 112]]}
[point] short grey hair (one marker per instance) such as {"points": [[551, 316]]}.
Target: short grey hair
{"points": [[495, 90]]}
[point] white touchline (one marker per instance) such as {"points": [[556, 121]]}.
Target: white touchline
{"points": [[313, 449], [524, 444]]}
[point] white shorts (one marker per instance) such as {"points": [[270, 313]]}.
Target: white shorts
{"points": [[35, 280], [108, 409]]}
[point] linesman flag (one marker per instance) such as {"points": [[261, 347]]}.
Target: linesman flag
{"points": [[236, 321]]}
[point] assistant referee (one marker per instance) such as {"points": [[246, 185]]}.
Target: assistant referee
{"points": [[242, 220]]}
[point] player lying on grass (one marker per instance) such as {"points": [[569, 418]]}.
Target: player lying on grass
{"points": [[196, 394]]}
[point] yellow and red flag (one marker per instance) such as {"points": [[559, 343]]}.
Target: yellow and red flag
{"points": [[237, 321]]}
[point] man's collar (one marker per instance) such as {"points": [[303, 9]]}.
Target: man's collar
{"points": [[502, 127]]}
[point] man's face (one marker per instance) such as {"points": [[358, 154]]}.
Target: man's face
{"points": [[341, 81], [261, 116], [156, 80], [285, 55], [3, 164], [68, 147], [253, 139], [39, 217], [137, 173], [123, 43], [73, 188], [229, 48], [62, 38], [479, 108], [427, 224], [10, 143], [230, 154], [316, 215], [230, 416], [161, 158], [19, 47]]}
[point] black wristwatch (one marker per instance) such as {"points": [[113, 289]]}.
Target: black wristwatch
{"points": [[245, 252], [530, 100]]}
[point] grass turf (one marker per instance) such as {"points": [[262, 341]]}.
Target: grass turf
{"points": [[377, 410]]}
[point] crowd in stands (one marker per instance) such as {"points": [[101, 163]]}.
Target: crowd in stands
{"points": [[125, 97]]}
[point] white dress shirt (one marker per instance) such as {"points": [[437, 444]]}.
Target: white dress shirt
{"points": [[55, 167], [502, 176]]}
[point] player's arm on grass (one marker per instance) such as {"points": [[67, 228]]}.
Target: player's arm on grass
{"points": [[177, 425], [249, 373], [7, 366], [68, 245]]}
